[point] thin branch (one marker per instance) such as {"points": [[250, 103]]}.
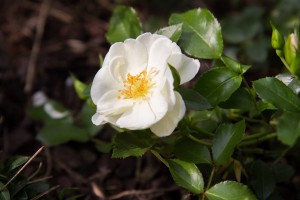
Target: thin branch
{"points": [[22, 168], [141, 192], [36, 45]]}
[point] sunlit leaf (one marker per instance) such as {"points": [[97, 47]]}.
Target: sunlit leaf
{"points": [[230, 190], [186, 175], [277, 93], [173, 32], [123, 24], [201, 33]]}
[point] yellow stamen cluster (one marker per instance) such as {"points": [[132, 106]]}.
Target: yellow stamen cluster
{"points": [[136, 87]]}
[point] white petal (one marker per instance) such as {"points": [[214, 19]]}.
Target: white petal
{"points": [[159, 105], [136, 55], [140, 116], [98, 119], [116, 50], [159, 53], [110, 105], [148, 39], [118, 69], [103, 82], [186, 67], [169, 122]]}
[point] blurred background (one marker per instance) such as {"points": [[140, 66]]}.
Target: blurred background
{"points": [[43, 41]]}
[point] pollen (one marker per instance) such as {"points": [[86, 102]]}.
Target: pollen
{"points": [[138, 86]]}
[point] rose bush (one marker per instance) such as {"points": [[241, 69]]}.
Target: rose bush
{"points": [[134, 88]]}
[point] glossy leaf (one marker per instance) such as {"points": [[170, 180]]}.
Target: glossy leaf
{"points": [[234, 65], [263, 181], [218, 84], [197, 153], [240, 99], [193, 100], [288, 128], [230, 190], [123, 24], [127, 144], [186, 175], [277, 93], [226, 138], [172, 32], [201, 33]]}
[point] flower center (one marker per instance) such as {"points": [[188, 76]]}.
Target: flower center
{"points": [[138, 86]]}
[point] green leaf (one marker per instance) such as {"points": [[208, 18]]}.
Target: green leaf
{"points": [[201, 33], [173, 32], [193, 100], [282, 172], [218, 84], [240, 99], [82, 89], [226, 138], [4, 194], [277, 93], [85, 116], [230, 190], [34, 189], [234, 65], [197, 153], [131, 144], [176, 76], [17, 161], [186, 175], [123, 24], [288, 128], [243, 26], [56, 132], [263, 181]]}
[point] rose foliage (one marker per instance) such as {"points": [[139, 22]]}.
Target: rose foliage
{"points": [[208, 132]]}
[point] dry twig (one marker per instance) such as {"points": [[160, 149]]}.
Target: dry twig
{"points": [[36, 45]]}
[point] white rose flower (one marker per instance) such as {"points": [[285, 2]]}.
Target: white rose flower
{"points": [[134, 88]]}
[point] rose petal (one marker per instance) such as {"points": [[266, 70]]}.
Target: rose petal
{"points": [[147, 39], [159, 53], [136, 55], [159, 105], [103, 82], [110, 105], [140, 116], [169, 122], [186, 67]]}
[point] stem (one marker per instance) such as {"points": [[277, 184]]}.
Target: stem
{"points": [[281, 155], [255, 136], [199, 141], [157, 155], [202, 131], [209, 181], [256, 140]]}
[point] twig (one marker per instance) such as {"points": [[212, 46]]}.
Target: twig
{"points": [[36, 45], [22, 168], [97, 191], [46, 192], [141, 192]]}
